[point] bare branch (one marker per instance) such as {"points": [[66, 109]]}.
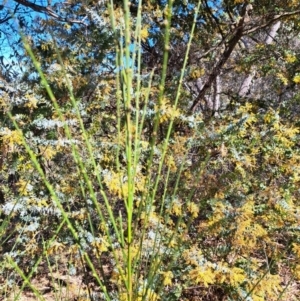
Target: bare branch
{"points": [[48, 11], [270, 21], [5, 20], [237, 35], [9, 17]]}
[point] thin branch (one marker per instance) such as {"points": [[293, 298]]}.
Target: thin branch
{"points": [[5, 19], [11, 15], [48, 11], [240, 31], [270, 21], [214, 18]]}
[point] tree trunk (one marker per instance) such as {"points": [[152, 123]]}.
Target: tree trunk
{"points": [[246, 85]]}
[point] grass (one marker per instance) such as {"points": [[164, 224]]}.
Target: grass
{"points": [[139, 228]]}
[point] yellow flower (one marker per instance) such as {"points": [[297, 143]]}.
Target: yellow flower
{"points": [[167, 277], [55, 248], [176, 208], [11, 138], [296, 249], [237, 276], [202, 275], [24, 187], [296, 271], [268, 117], [100, 246], [193, 209], [171, 164], [48, 152], [290, 58], [144, 33], [196, 73], [296, 79], [283, 78], [245, 108], [32, 101], [172, 243]]}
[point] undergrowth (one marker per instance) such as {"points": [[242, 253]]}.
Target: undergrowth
{"points": [[130, 197]]}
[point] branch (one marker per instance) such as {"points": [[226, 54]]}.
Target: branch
{"points": [[270, 21], [212, 16], [240, 31], [237, 35], [48, 11], [5, 19], [8, 18]]}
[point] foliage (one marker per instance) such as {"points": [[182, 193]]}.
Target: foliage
{"points": [[132, 161]]}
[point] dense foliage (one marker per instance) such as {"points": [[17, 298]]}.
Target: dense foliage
{"points": [[150, 151]]}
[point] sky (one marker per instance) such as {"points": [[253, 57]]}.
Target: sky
{"points": [[9, 36]]}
